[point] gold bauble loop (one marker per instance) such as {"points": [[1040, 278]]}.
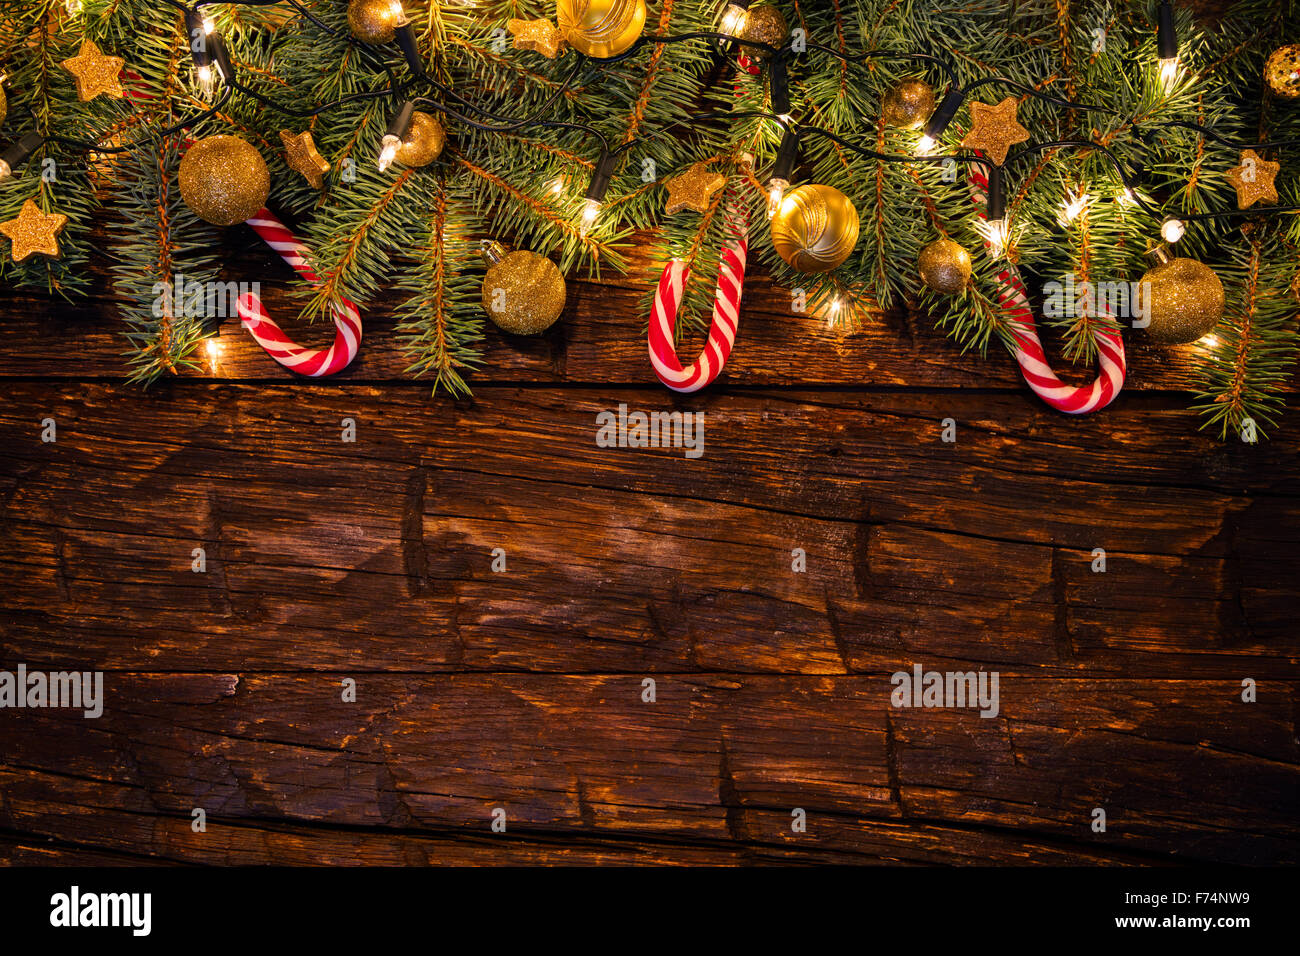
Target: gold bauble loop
{"points": [[224, 180], [909, 104], [423, 142], [523, 293], [944, 266], [600, 28], [763, 23], [815, 228], [1185, 300], [1282, 71], [373, 21]]}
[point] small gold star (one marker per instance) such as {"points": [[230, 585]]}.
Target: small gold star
{"points": [[303, 158], [1253, 179], [34, 231], [995, 129], [95, 73], [693, 189], [540, 36]]}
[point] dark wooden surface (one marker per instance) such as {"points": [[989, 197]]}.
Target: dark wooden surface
{"points": [[522, 689]]}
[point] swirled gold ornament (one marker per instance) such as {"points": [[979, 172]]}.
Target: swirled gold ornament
{"points": [[763, 23], [224, 180], [423, 142], [600, 28], [1282, 71], [815, 228], [374, 21]]}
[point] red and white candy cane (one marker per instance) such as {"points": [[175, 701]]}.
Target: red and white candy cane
{"points": [[1029, 350], [726, 312], [347, 321]]}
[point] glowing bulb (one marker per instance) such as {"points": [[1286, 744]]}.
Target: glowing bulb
{"points": [[1169, 71], [214, 350], [925, 145], [775, 194], [208, 26], [555, 186], [388, 153], [73, 7], [590, 210], [204, 77], [1172, 230], [1209, 341], [1073, 206], [396, 11], [5, 170], [1127, 198], [836, 304], [997, 233], [732, 19]]}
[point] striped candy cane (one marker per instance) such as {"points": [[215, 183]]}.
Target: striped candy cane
{"points": [[347, 321], [1029, 350], [726, 312]]}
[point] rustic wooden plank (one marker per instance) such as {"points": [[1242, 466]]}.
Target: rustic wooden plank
{"points": [[716, 761], [601, 338], [377, 554]]}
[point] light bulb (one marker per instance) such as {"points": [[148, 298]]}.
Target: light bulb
{"points": [[73, 7], [398, 13], [590, 210], [388, 152], [208, 26], [1127, 198], [205, 79], [5, 170], [997, 233], [555, 186], [1210, 341], [775, 193], [925, 145], [1073, 206], [214, 350], [1171, 230], [732, 19], [1169, 71]]}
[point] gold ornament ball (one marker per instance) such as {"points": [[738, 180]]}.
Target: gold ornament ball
{"points": [[423, 142], [1185, 299], [224, 180], [1282, 71], [944, 266], [373, 21], [601, 28], [909, 104], [763, 23], [523, 293], [815, 228]]}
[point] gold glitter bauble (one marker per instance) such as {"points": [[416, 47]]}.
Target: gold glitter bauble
{"points": [[1185, 299], [600, 28], [523, 293], [909, 104], [423, 142], [373, 21], [815, 228], [224, 180], [1282, 71], [944, 266], [763, 23]]}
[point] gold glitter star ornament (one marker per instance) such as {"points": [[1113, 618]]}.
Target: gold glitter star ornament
{"points": [[1253, 179], [302, 157], [693, 189], [94, 72], [34, 232], [995, 129], [540, 36]]}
